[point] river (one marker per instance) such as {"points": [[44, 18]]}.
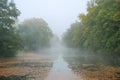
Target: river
{"points": [[61, 71], [57, 64]]}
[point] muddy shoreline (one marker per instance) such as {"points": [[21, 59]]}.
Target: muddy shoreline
{"points": [[26, 67], [92, 68], [38, 66]]}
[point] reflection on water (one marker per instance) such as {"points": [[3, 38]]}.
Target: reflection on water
{"points": [[60, 65], [61, 71]]}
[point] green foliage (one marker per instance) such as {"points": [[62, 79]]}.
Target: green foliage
{"points": [[100, 29], [35, 34], [9, 38]]}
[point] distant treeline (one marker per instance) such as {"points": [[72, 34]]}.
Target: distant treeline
{"points": [[98, 30], [35, 34], [31, 34]]}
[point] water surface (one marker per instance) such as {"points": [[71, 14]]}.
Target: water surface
{"points": [[61, 71]]}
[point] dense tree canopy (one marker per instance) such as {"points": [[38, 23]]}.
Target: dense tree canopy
{"points": [[35, 34], [9, 38], [99, 29]]}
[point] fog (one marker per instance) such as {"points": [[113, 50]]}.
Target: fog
{"points": [[59, 14], [48, 41]]}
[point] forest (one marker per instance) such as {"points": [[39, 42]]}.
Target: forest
{"points": [[97, 31], [88, 50], [29, 35]]}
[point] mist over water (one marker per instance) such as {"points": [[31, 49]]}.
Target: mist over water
{"points": [[59, 40], [60, 69], [58, 63]]}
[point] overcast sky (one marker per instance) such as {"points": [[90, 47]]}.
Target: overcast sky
{"points": [[59, 14]]}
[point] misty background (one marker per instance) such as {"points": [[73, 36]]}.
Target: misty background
{"points": [[42, 39], [59, 14]]}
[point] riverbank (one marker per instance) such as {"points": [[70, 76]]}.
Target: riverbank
{"points": [[93, 67], [32, 66], [100, 73], [26, 67]]}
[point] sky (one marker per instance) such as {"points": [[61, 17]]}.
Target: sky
{"points": [[59, 14]]}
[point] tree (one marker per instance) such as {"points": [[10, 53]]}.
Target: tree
{"points": [[100, 29], [9, 38], [35, 34]]}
